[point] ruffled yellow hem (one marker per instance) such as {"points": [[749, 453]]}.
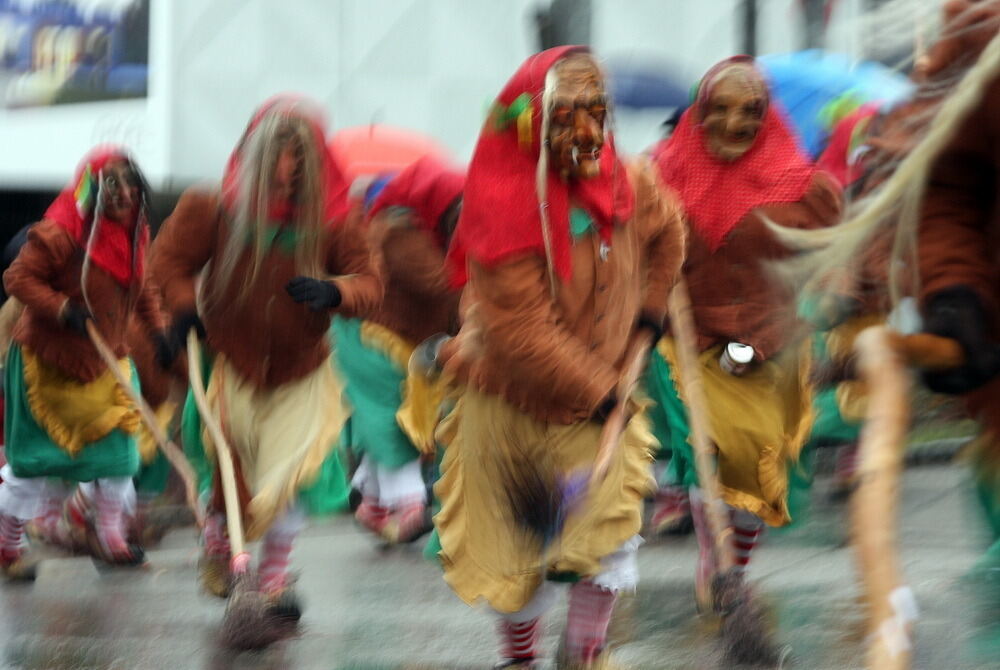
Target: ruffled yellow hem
{"points": [[75, 414], [765, 449], [282, 436], [147, 443], [419, 411], [486, 556]]}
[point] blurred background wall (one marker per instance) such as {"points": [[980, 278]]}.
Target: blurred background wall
{"points": [[176, 80]]}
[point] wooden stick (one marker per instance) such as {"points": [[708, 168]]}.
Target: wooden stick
{"points": [[170, 450], [614, 426], [927, 352], [682, 324], [227, 471], [874, 505]]}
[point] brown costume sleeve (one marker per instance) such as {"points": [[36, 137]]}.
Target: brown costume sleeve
{"points": [[357, 273], [957, 210], [43, 257], [518, 318], [412, 257], [821, 206], [182, 248], [149, 309], [659, 212]]}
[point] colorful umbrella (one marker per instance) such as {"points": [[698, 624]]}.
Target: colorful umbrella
{"points": [[817, 89], [376, 149], [646, 85]]}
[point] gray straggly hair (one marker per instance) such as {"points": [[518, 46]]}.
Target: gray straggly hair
{"points": [[285, 124], [895, 205], [542, 167]]}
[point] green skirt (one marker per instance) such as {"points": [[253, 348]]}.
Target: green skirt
{"points": [[670, 423], [328, 494], [32, 453], [152, 477], [374, 386]]}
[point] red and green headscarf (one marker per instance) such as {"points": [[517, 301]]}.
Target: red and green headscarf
{"points": [[117, 249], [500, 209]]}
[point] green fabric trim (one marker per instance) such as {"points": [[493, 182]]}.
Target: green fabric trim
{"points": [[152, 478], [328, 494], [670, 423], [580, 223], [504, 116], [276, 235], [32, 453], [374, 386]]}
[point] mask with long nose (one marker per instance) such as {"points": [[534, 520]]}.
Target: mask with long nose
{"points": [[577, 114]]}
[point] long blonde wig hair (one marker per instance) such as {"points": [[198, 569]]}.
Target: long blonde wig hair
{"points": [[893, 208], [285, 124]]}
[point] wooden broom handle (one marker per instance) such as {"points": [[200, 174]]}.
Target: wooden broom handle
{"points": [[874, 505], [614, 426], [227, 471], [170, 450], [682, 324], [928, 352]]}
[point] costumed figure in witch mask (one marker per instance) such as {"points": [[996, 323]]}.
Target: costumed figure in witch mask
{"points": [[260, 269], [569, 255], [394, 413], [735, 163], [66, 416]]}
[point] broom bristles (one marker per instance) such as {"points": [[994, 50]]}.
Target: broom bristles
{"points": [[745, 634], [246, 624]]}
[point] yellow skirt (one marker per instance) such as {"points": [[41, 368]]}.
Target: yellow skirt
{"points": [[281, 436], [486, 555], [74, 413], [419, 410], [759, 422]]}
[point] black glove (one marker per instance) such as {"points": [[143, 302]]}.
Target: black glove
{"points": [[654, 326], [74, 316], [165, 350], [958, 313], [179, 329], [318, 295]]}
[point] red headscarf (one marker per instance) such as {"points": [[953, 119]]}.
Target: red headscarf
{"points": [[427, 187], [118, 250], [336, 186], [839, 158], [717, 194], [500, 208]]}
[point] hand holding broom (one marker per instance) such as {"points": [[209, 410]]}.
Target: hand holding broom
{"points": [[170, 450], [245, 625], [744, 632]]}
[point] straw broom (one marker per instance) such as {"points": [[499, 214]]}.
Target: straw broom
{"points": [[744, 633], [170, 450], [246, 624]]}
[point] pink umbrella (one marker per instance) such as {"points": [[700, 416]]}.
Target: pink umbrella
{"points": [[376, 149]]}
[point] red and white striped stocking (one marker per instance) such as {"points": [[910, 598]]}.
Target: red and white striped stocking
{"points": [[11, 535], [79, 507], [746, 533], [590, 608], [111, 522], [216, 540], [519, 641], [48, 522], [276, 550]]}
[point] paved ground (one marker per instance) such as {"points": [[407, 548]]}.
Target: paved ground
{"points": [[369, 609]]}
